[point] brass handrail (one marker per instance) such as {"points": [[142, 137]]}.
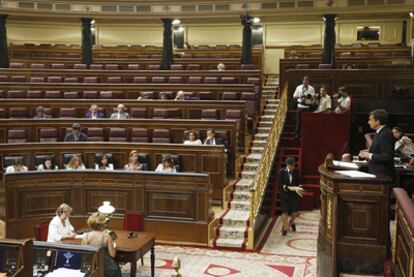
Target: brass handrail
{"points": [[265, 166]]}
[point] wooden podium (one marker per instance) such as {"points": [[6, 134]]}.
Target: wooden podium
{"points": [[353, 230]]}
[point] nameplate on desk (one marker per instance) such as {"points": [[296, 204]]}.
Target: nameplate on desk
{"points": [[355, 174]]}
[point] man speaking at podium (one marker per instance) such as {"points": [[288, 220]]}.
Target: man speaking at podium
{"points": [[380, 156]]}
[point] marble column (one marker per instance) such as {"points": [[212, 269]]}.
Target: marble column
{"points": [[329, 40], [167, 50], [86, 41]]}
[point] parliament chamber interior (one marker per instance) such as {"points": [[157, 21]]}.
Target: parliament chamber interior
{"points": [[207, 138]]}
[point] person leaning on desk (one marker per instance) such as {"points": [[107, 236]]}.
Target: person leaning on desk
{"points": [[60, 227]]}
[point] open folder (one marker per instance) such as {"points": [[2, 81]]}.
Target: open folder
{"points": [[345, 165]]}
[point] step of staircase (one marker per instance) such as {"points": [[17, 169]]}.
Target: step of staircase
{"points": [[273, 101], [271, 106], [258, 143], [267, 118], [236, 219], [262, 130], [240, 205], [231, 243], [253, 158], [250, 166], [261, 136], [241, 195], [257, 149], [270, 111], [248, 174], [265, 124], [268, 97], [228, 232]]}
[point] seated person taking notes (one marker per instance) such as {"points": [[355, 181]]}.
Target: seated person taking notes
{"points": [[60, 227], [167, 165], [75, 163], [17, 166]]}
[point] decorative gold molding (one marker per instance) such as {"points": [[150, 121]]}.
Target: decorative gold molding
{"points": [[329, 218]]}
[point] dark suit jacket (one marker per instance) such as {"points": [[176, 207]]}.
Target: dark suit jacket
{"points": [[71, 137], [382, 149], [98, 115], [220, 141], [284, 181]]}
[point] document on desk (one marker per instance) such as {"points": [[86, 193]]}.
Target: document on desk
{"points": [[64, 272], [347, 165], [355, 174]]}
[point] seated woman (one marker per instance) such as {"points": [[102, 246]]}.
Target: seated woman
{"points": [[193, 139], [404, 145], [60, 227], [17, 166], [48, 164], [104, 163], [100, 237], [75, 163], [133, 163], [167, 165]]}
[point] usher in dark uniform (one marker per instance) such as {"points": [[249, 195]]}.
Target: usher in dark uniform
{"points": [[288, 199]]}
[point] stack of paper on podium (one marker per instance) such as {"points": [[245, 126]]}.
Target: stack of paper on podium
{"points": [[355, 174], [65, 272], [345, 165]]}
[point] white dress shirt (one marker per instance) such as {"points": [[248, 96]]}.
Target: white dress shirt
{"points": [[161, 168], [345, 103], [57, 229], [301, 91], [195, 142], [10, 169], [324, 104], [109, 167]]}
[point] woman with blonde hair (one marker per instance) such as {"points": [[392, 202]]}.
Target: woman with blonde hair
{"points": [[60, 227], [99, 236], [75, 163], [133, 162]]}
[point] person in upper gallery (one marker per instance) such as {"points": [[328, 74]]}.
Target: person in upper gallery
{"points": [[75, 163], [346, 158], [290, 189], [94, 112], [325, 103], [133, 162], [48, 164], [166, 165], [60, 227], [99, 236], [41, 114], [104, 163], [180, 95], [221, 67], [305, 96], [380, 156], [404, 145], [76, 134], [165, 96], [193, 139], [17, 166], [121, 114], [343, 103]]}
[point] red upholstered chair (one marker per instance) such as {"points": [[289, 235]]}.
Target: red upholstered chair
{"points": [[48, 135], [54, 79], [16, 113], [106, 95], [233, 115], [42, 231], [253, 80], [16, 65], [52, 94], [18, 79], [118, 134], [16, 94], [159, 113], [58, 66], [71, 95], [209, 114], [37, 79], [153, 67], [37, 66], [134, 222], [138, 113], [114, 80], [192, 66], [134, 66], [228, 80], [17, 136], [175, 79], [251, 100], [139, 79], [89, 80], [71, 80], [325, 66], [140, 135], [174, 114], [90, 94], [96, 134], [194, 79], [158, 79], [230, 95], [4, 78], [302, 66], [176, 67], [211, 80], [205, 95], [111, 67], [67, 113], [2, 113], [96, 66], [149, 94], [247, 67], [80, 66], [161, 136]]}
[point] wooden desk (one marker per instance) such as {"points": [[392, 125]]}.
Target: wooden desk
{"points": [[353, 230], [129, 250]]}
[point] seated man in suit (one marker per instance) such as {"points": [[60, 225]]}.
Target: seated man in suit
{"points": [[76, 134], [290, 188], [212, 139], [40, 113], [121, 114], [94, 113]]}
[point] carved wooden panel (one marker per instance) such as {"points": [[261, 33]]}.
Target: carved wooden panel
{"points": [[120, 199], [164, 204], [42, 202]]}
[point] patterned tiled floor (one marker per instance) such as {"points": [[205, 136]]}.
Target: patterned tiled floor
{"points": [[291, 256]]}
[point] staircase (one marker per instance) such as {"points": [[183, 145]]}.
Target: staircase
{"points": [[234, 223]]}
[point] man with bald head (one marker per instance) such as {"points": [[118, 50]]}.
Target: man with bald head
{"points": [[346, 158], [121, 114]]}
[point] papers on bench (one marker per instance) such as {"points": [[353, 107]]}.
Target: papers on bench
{"points": [[345, 165], [64, 272], [355, 174], [79, 236]]}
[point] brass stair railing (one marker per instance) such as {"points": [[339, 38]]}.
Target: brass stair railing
{"points": [[264, 169]]}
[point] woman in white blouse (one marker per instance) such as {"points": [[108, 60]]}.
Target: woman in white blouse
{"points": [[75, 163], [104, 163], [193, 139], [17, 166], [167, 165], [60, 227]]}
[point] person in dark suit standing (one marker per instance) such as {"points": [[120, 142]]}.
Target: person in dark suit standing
{"points": [[76, 134], [380, 155], [94, 113], [290, 188]]}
